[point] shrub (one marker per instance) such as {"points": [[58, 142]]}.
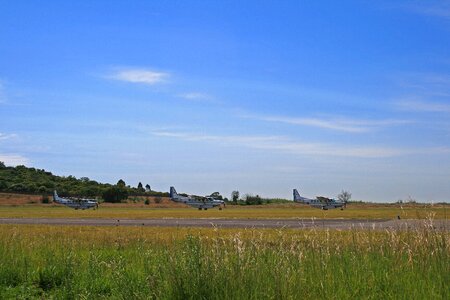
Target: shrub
{"points": [[115, 194], [45, 199]]}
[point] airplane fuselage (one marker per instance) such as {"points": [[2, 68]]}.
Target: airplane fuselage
{"points": [[204, 203], [75, 203], [324, 204]]}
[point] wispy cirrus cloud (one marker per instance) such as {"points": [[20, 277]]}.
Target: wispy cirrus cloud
{"points": [[199, 97], [138, 75], [332, 123], [14, 159], [423, 106], [195, 96], [5, 136], [231, 139], [284, 144], [439, 8], [429, 84]]}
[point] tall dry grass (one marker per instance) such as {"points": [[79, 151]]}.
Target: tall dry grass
{"points": [[183, 263]]}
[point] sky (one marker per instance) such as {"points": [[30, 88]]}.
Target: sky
{"points": [[256, 96]]}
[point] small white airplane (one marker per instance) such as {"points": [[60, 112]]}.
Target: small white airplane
{"points": [[320, 202], [203, 202], [75, 203]]}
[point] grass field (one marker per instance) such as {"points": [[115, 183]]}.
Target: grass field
{"points": [[29, 206], [357, 211], [182, 263]]}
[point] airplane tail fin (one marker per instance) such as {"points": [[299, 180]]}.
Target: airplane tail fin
{"points": [[55, 196], [296, 195], [173, 192]]}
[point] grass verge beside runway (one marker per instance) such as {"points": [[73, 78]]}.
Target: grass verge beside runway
{"points": [[358, 211], [194, 263]]}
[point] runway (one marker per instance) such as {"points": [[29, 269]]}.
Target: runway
{"points": [[239, 223]]}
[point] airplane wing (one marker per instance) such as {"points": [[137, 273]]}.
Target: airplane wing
{"points": [[324, 199]]}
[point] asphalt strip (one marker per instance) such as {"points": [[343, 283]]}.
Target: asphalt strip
{"points": [[241, 223]]}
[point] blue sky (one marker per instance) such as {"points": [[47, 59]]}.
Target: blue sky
{"points": [[258, 96]]}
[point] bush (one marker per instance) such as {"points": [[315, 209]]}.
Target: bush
{"points": [[45, 199], [253, 200], [115, 194], [147, 201]]}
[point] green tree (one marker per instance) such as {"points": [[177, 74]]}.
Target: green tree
{"points": [[18, 187], [235, 196], [115, 194], [121, 183], [42, 190], [3, 185], [253, 200], [140, 188]]}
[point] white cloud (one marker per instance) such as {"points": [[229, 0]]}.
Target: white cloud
{"points": [[4, 136], [423, 106], [283, 144], [229, 140], [143, 76], [14, 159], [439, 8], [337, 124], [436, 84], [195, 96]]}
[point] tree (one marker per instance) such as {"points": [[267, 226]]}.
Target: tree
{"points": [[140, 187], [344, 196], [235, 196], [89, 191], [18, 187], [115, 194], [42, 190], [121, 183], [3, 185], [2, 165], [253, 200], [147, 188]]}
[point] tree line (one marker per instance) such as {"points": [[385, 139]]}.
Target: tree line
{"points": [[21, 179]]}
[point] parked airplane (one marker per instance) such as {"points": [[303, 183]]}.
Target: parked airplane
{"points": [[203, 202], [75, 203], [320, 202]]}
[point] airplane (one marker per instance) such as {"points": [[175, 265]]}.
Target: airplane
{"points": [[320, 202], [203, 202], [75, 203]]}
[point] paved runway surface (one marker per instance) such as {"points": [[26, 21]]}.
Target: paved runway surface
{"points": [[238, 223]]}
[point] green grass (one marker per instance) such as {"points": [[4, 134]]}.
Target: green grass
{"points": [[356, 211], [170, 263]]}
